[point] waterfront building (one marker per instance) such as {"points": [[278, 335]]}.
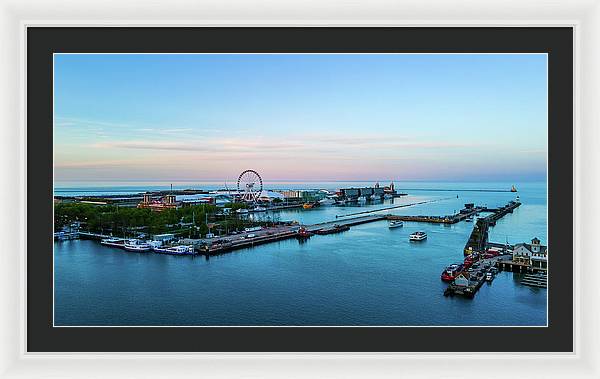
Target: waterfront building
{"points": [[534, 254], [167, 202]]}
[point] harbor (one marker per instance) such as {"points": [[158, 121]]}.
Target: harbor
{"points": [[417, 213]]}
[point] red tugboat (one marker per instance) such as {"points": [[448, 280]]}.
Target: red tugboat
{"points": [[303, 233], [451, 272]]}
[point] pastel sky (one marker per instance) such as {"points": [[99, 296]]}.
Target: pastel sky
{"points": [[300, 117]]}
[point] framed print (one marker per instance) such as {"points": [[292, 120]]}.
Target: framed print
{"points": [[265, 203], [382, 192]]}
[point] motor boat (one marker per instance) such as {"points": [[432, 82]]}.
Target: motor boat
{"points": [[417, 236], [137, 246], [395, 224]]}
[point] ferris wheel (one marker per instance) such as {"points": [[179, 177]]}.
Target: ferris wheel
{"points": [[249, 185]]}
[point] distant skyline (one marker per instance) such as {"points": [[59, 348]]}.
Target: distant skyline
{"points": [[317, 117]]}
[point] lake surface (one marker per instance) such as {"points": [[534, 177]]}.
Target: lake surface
{"points": [[369, 275]]}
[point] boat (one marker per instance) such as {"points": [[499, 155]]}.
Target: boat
{"points": [[388, 196], [451, 272], [489, 276], [469, 219], [375, 198], [137, 246], [113, 242], [259, 209], [334, 229], [308, 205], [327, 201], [303, 233], [395, 224], [242, 210], [362, 199], [513, 189], [417, 236], [176, 250]]}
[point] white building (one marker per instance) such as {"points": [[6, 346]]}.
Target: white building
{"points": [[533, 254]]}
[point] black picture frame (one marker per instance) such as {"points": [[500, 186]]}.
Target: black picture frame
{"points": [[42, 42]]}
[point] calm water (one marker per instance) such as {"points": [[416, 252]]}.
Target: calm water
{"points": [[370, 275]]}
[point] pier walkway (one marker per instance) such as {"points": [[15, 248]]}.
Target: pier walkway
{"points": [[392, 207], [478, 240], [347, 222]]}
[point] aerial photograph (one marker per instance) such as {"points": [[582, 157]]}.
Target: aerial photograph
{"points": [[298, 190]]}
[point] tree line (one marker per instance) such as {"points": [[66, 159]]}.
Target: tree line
{"points": [[192, 221]]}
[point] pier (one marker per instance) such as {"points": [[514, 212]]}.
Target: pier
{"points": [[478, 240], [471, 281], [393, 207]]}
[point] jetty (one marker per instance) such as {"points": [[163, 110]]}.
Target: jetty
{"points": [[478, 240], [468, 282]]}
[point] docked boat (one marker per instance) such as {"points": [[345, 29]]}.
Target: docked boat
{"points": [[259, 209], [451, 272], [395, 224], [417, 236], [137, 246], [327, 201], [113, 242], [242, 211], [310, 205], [489, 276], [375, 198], [362, 199], [469, 219], [303, 233], [334, 229], [176, 250], [388, 196]]}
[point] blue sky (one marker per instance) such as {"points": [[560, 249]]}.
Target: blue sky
{"points": [[300, 117]]}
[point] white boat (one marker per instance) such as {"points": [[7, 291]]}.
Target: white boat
{"points": [[375, 198], [259, 209], [395, 224], [137, 246], [327, 201], [113, 242], [388, 196], [362, 199], [469, 219], [176, 250], [417, 236], [242, 210], [489, 276]]}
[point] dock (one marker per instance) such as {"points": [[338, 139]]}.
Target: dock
{"points": [[539, 280], [478, 240], [473, 280], [392, 207], [347, 222], [477, 244]]}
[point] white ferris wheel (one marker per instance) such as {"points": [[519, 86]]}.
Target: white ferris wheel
{"points": [[249, 186]]}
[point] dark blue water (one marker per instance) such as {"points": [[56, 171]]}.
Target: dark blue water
{"points": [[370, 275]]}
